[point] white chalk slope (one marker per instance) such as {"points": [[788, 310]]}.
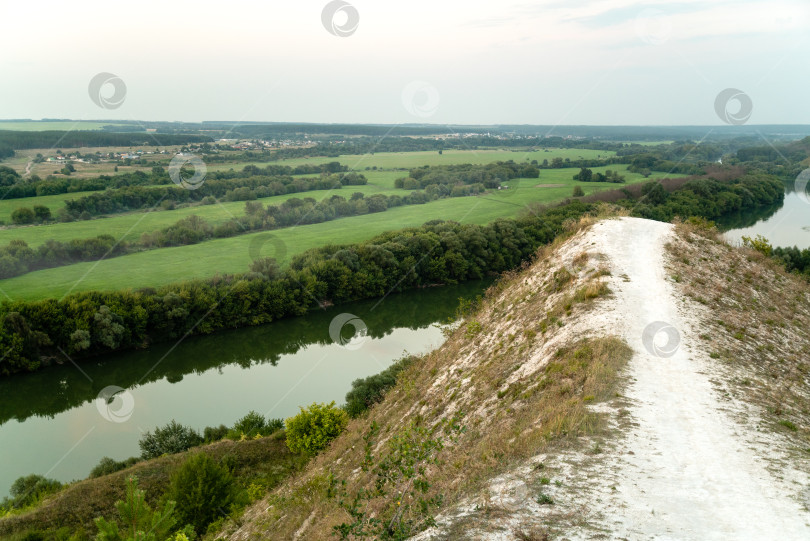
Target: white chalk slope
{"points": [[687, 470]]}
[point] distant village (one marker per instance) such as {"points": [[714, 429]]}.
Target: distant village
{"points": [[76, 156]]}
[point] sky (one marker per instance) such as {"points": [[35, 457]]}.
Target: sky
{"points": [[596, 62]]}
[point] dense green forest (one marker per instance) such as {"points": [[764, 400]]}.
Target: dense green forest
{"points": [[18, 140]]}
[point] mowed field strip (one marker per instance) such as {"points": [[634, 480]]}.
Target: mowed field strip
{"points": [[232, 255]]}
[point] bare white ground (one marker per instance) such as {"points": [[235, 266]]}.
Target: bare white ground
{"points": [[687, 468]]}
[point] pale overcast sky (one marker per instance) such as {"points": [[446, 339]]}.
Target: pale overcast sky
{"points": [[472, 61]]}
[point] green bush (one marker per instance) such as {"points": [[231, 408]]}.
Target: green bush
{"points": [[202, 490], [22, 215], [311, 430], [29, 489], [108, 465], [254, 425], [249, 426], [368, 391], [42, 213], [214, 433], [170, 439]]}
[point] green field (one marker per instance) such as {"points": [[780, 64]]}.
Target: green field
{"points": [[407, 160], [130, 225], [53, 202], [232, 255]]}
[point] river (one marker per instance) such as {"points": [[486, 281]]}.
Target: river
{"points": [[783, 224], [52, 422]]}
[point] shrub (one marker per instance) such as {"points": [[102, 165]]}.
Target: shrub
{"points": [[252, 425], [368, 391], [759, 243], [22, 215], [311, 430], [203, 491], [267, 266], [170, 439], [108, 465], [29, 489], [578, 191], [42, 213], [214, 433]]}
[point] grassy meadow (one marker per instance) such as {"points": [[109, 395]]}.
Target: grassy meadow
{"points": [[407, 160], [233, 255]]}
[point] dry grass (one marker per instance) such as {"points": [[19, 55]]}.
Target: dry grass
{"points": [[756, 324], [515, 387]]}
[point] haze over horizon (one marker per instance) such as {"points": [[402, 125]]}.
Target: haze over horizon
{"points": [[590, 62]]}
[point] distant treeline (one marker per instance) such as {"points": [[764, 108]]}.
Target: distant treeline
{"points": [[17, 140], [644, 164], [490, 175], [88, 323], [586, 175], [688, 151], [12, 186], [708, 198], [795, 151], [230, 189], [794, 259]]}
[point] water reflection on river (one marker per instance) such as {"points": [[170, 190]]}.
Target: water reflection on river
{"points": [[784, 224], [51, 423]]}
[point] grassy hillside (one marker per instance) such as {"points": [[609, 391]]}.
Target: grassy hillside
{"points": [[511, 381], [264, 461]]}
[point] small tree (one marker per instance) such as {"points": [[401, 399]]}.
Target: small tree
{"points": [[42, 213], [311, 430], [578, 191], [254, 208], [203, 490], [30, 488], [248, 426], [170, 439], [266, 266], [140, 521]]}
